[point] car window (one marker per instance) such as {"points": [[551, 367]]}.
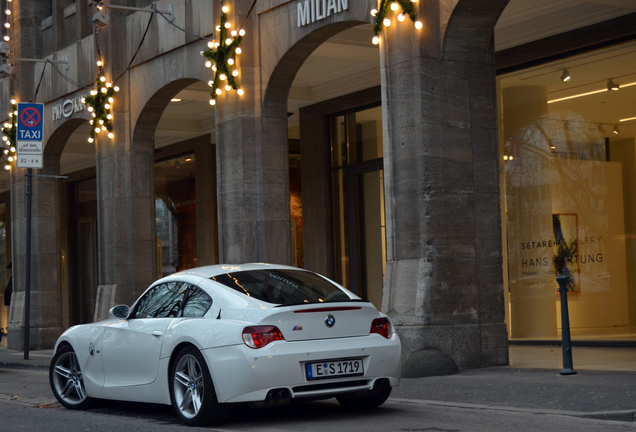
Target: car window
{"points": [[163, 300], [197, 303], [283, 287]]}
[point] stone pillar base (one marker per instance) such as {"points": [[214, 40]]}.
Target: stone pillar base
{"points": [[438, 350]]}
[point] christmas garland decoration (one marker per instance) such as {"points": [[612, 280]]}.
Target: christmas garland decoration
{"points": [[381, 13], [8, 131], [100, 103], [221, 57]]}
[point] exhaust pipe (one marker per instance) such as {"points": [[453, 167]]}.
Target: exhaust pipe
{"points": [[275, 397], [278, 395]]}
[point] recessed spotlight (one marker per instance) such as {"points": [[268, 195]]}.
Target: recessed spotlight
{"points": [[565, 76], [612, 86]]}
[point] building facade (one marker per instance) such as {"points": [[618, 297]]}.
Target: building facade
{"points": [[432, 173]]}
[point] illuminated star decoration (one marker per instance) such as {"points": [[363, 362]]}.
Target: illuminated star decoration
{"points": [[220, 57], [8, 131], [99, 104], [382, 21]]}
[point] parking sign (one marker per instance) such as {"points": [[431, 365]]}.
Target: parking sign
{"points": [[29, 135]]}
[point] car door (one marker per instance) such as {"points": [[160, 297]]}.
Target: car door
{"points": [[131, 348]]}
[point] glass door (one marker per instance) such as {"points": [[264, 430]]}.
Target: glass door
{"points": [[358, 202], [83, 252]]}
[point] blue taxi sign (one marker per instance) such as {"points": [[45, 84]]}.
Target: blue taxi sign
{"points": [[29, 135]]}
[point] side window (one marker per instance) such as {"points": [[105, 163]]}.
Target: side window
{"points": [[197, 303], [164, 300]]}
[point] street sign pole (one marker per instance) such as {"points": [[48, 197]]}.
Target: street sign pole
{"points": [[29, 140], [27, 279]]}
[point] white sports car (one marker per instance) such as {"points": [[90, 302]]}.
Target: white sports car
{"points": [[206, 338]]}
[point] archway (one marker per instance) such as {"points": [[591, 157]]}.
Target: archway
{"points": [[175, 133]]}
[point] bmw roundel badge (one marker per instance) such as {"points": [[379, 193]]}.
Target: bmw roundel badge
{"points": [[330, 320]]}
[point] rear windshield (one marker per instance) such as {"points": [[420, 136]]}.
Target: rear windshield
{"points": [[283, 287]]}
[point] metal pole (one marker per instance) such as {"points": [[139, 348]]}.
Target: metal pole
{"points": [[566, 342], [27, 279]]}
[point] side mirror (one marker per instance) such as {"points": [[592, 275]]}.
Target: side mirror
{"points": [[119, 311]]}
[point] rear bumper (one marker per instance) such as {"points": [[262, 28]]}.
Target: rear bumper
{"points": [[242, 374]]}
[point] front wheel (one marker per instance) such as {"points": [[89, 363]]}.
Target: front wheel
{"points": [[373, 400], [192, 391], [67, 382]]}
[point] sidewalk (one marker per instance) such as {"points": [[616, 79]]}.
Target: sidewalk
{"points": [[604, 386], [37, 359]]}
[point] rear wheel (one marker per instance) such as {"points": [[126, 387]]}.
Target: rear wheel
{"points": [[192, 391], [372, 400], [67, 382]]}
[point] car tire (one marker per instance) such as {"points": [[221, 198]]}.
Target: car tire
{"points": [[67, 381], [192, 391], [374, 400]]}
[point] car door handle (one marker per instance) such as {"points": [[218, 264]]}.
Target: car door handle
{"points": [[157, 333]]}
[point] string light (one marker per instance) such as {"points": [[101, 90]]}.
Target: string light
{"points": [[9, 127], [221, 56], [100, 102], [381, 19], [8, 136]]}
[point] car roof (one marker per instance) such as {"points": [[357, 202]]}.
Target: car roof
{"points": [[218, 269]]}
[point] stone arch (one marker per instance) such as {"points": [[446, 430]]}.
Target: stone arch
{"points": [[299, 44], [142, 159], [472, 24], [153, 109], [57, 140], [279, 84]]}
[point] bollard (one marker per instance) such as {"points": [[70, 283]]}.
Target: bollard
{"points": [[566, 342]]}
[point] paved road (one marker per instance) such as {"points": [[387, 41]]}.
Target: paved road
{"points": [[26, 403]]}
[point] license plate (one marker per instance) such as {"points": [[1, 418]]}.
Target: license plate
{"points": [[333, 369]]}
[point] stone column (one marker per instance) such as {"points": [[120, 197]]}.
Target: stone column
{"points": [[45, 308], [125, 190], [443, 283], [252, 167]]}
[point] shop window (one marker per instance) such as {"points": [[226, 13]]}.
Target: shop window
{"points": [[568, 171], [175, 207]]}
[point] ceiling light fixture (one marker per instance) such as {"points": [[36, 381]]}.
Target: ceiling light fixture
{"points": [[565, 76], [611, 85], [616, 131], [588, 93]]}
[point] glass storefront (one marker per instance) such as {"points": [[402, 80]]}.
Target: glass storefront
{"points": [[175, 207], [358, 202], [568, 177]]}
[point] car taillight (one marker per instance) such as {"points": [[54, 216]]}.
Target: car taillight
{"points": [[381, 326], [260, 336]]}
